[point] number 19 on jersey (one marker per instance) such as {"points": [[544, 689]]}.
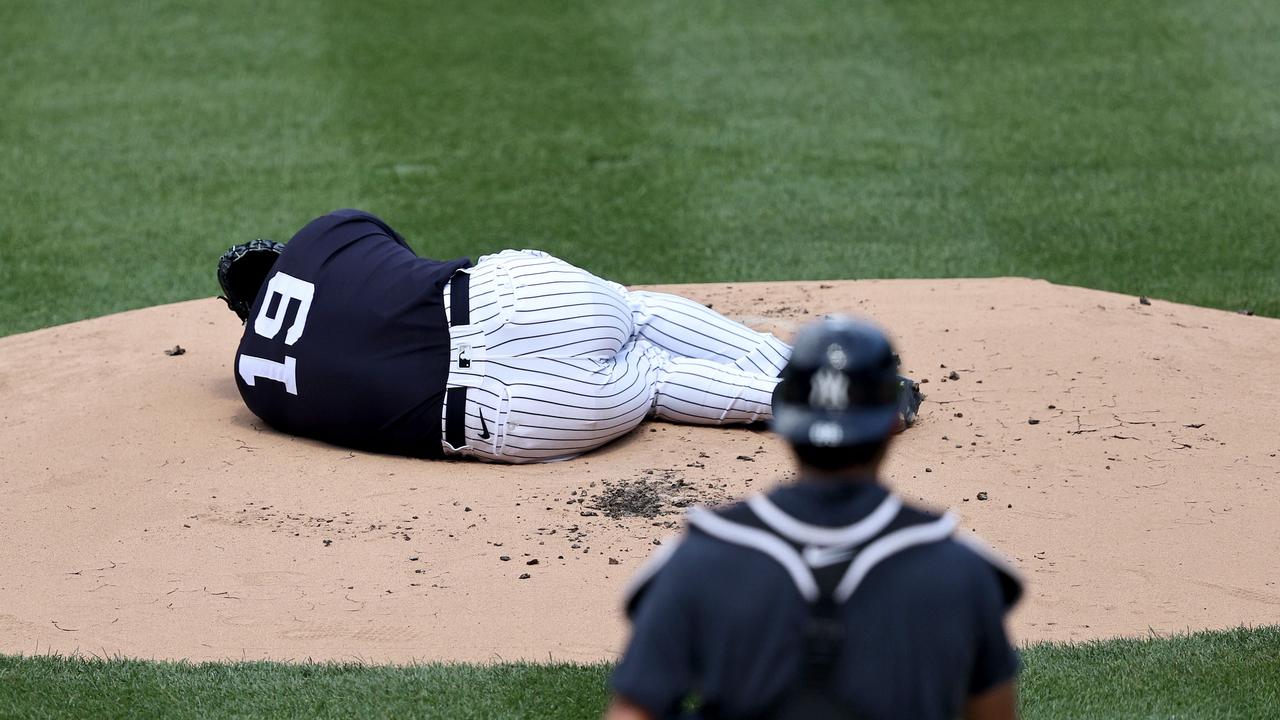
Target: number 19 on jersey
{"points": [[268, 325]]}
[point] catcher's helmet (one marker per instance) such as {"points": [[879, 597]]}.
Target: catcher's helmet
{"points": [[840, 387]]}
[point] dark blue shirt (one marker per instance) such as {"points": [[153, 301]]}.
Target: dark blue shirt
{"points": [[353, 346], [924, 630]]}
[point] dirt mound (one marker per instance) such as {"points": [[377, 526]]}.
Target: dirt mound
{"points": [[1120, 453], [654, 493]]}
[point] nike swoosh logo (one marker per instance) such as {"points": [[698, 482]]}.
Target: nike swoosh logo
{"points": [[816, 556], [484, 429]]}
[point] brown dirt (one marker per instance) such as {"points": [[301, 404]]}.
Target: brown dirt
{"points": [[1122, 454]]}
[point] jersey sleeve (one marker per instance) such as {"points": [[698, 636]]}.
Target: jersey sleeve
{"points": [[995, 660], [656, 671]]}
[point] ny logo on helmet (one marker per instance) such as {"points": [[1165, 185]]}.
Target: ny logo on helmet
{"points": [[829, 390]]}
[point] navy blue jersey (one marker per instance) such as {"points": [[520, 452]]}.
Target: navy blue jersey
{"points": [[924, 628], [347, 341]]}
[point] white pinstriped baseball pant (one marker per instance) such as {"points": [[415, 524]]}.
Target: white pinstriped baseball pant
{"points": [[561, 361]]}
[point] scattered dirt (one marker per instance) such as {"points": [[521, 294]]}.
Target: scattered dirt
{"points": [[638, 498], [787, 311], [654, 493]]}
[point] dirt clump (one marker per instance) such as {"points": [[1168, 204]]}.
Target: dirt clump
{"points": [[654, 493], [630, 498]]}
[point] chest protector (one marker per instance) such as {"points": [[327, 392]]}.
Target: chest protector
{"points": [[827, 564]]}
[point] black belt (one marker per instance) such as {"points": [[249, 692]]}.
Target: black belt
{"points": [[455, 413]]}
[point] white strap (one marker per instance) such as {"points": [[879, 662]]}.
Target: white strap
{"points": [[888, 545], [761, 540], [794, 563], [807, 534]]}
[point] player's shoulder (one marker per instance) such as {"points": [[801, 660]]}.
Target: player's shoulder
{"points": [[969, 560], [694, 560], [336, 229], [694, 550]]}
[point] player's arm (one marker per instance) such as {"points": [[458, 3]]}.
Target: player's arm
{"points": [[622, 709], [656, 671], [993, 683], [997, 703]]}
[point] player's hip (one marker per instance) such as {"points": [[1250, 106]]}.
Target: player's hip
{"points": [[537, 409], [553, 309]]}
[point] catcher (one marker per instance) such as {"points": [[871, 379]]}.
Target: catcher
{"points": [[830, 596], [352, 339]]}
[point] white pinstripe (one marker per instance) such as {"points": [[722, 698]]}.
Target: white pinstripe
{"points": [[563, 361]]}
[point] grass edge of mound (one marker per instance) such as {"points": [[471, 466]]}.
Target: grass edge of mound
{"points": [[1219, 674]]}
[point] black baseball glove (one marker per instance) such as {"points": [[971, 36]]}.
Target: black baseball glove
{"points": [[242, 270], [909, 398]]}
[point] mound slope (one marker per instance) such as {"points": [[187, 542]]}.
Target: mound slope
{"points": [[1121, 454]]}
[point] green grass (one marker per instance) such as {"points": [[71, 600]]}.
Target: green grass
{"points": [[1219, 675], [1231, 674], [59, 688], [1128, 146]]}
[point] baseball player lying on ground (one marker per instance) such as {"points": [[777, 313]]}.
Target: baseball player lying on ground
{"points": [[352, 339]]}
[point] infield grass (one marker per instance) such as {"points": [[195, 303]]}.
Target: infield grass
{"points": [[1127, 146], [1222, 675]]}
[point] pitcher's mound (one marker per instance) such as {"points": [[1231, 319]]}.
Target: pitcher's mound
{"points": [[1124, 455]]}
